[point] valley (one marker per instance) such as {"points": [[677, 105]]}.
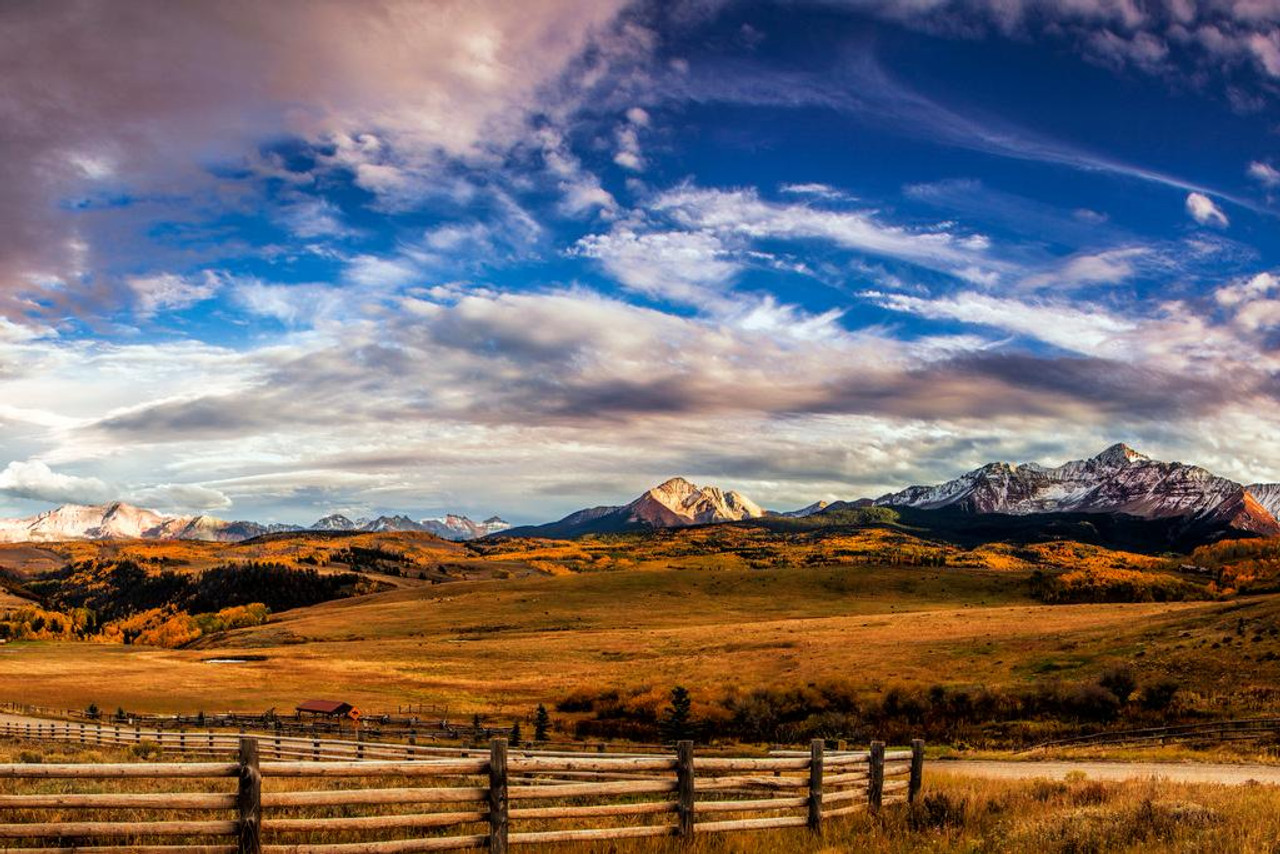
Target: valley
{"points": [[975, 626]]}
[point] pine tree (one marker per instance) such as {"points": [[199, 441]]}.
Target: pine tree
{"points": [[541, 723], [477, 728], [515, 734], [676, 724]]}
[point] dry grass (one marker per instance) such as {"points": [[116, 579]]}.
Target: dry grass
{"points": [[505, 646]]}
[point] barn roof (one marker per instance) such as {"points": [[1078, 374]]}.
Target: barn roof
{"points": [[325, 707]]}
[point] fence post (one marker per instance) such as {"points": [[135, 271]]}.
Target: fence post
{"points": [[498, 817], [249, 799], [917, 770], [817, 755], [685, 791], [875, 777]]}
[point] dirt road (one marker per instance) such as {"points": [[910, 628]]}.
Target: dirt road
{"points": [[1178, 772]]}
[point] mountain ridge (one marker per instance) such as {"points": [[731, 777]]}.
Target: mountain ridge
{"points": [[1117, 480], [118, 520]]}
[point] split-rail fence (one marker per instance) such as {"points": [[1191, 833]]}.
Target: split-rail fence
{"points": [[270, 800]]}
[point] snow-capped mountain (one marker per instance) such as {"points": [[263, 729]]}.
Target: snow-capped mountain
{"points": [[120, 521], [675, 503], [83, 522], [451, 527], [455, 527], [338, 522], [1118, 480]]}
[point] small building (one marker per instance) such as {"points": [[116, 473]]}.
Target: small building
{"points": [[328, 709]]}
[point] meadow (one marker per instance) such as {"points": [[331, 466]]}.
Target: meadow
{"points": [[501, 647]]}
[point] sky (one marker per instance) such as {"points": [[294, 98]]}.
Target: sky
{"points": [[274, 260]]}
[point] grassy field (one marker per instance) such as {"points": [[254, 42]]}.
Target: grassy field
{"points": [[503, 646]]}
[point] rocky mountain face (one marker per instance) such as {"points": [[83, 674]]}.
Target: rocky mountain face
{"points": [[675, 503], [1118, 480]]}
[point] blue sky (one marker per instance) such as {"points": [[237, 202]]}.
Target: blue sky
{"points": [[278, 261]]}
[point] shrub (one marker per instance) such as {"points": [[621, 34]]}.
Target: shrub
{"points": [[1159, 696], [1119, 681]]}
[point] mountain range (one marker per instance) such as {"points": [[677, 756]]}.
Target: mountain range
{"points": [[1118, 480], [119, 520], [1189, 503]]}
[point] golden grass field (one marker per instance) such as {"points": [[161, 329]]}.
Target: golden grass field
{"points": [[503, 646]]}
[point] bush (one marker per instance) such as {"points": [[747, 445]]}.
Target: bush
{"points": [[1120, 682], [1159, 696]]}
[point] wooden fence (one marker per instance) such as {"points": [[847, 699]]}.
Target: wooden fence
{"points": [[1248, 729], [373, 726], [502, 798], [225, 744]]}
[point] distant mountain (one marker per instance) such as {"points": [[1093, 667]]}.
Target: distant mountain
{"points": [[815, 507], [119, 521], [451, 527], [675, 503], [454, 527], [1118, 480]]}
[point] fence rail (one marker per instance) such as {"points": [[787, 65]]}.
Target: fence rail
{"points": [[269, 802], [401, 726], [1246, 729], [315, 748]]}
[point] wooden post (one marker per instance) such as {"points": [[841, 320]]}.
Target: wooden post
{"points": [[917, 770], [498, 806], [685, 791], [249, 799], [875, 777], [817, 751]]}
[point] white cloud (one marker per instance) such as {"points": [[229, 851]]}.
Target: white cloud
{"points": [[1204, 211], [1110, 267], [1246, 290], [313, 217], [35, 481], [628, 154], [1087, 329], [185, 497], [744, 215], [1264, 173], [814, 189], [686, 266], [171, 292]]}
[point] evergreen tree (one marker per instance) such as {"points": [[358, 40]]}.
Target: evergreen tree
{"points": [[477, 729], [515, 734], [676, 723], [541, 723]]}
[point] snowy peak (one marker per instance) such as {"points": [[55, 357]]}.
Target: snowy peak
{"points": [[455, 527], [451, 527], [678, 502], [1120, 454], [1118, 480]]}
